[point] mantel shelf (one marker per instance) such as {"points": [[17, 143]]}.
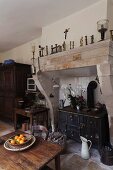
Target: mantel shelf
{"points": [[90, 55]]}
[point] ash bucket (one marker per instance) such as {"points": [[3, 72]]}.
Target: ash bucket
{"points": [[107, 155]]}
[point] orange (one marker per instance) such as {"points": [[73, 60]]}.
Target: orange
{"points": [[16, 137], [21, 136], [12, 142], [21, 141], [18, 140]]}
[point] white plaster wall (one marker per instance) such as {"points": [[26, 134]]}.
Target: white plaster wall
{"points": [[21, 54], [78, 84], [81, 23], [110, 13]]}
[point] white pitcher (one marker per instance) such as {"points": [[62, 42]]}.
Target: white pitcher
{"points": [[85, 149]]}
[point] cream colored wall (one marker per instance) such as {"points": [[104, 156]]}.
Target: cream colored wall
{"points": [[110, 13], [78, 84], [21, 54], [81, 23]]}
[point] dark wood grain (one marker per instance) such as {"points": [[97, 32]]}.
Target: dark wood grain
{"points": [[13, 83], [33, 158], [41, 116]]}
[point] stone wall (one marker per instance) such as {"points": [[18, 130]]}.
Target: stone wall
{"points": [[99, 54]]}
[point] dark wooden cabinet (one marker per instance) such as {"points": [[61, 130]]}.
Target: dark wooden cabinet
{"points": [[13, 83], [92, 125]]}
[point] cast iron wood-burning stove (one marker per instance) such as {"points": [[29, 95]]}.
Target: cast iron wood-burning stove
{"points": [[90, 123]]}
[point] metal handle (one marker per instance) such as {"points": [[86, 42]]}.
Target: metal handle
{"points": [[90, 144]]}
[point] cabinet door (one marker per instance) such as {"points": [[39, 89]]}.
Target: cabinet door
{"points": [[8, 76], [93, 131], [89, 128], [73, 126], [1, 81], [62, 122], [1, 106], [9, 108], [73, 133], [21, 75], [83, 126], [73, 119]]}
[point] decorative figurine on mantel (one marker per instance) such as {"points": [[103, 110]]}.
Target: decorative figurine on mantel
{"points": [[33, 68], [64, 46], [56, 49], [81, 42], [71, 44], [111, 35], [102, 27], [65, 32], [41, 49], [92, 39], [86, 43], [46, 50]]}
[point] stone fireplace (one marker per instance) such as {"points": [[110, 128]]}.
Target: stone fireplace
{"points": [[91, 60]]}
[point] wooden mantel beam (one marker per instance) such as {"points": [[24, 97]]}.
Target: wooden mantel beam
{"points": [[89, 55]]}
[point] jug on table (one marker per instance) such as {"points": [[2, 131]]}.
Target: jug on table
{"points": [[85, 149]]}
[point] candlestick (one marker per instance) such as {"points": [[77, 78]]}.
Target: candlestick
{"points": [[86, 40], [33, 48], [92, 39], [81, 41], [33, 68], [111, 35]]}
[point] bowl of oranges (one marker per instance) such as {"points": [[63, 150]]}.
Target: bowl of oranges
{"points": [[19, 139]]}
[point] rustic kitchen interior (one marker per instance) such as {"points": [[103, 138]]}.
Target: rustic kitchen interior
{"points": [[65, 83]]}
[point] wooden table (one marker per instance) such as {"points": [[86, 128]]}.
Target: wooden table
{"points": [[40, 114], [36, 157]]}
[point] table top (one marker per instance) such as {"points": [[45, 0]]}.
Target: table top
{"points": [[38, 155], [38, 109]]}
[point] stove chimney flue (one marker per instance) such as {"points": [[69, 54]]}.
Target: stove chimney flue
{"points": [[90, 94]]}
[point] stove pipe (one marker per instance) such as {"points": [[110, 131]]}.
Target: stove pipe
{"points": [[90, 94]]}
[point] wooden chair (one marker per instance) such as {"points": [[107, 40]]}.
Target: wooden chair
{"points": [[41, 131], [46, 168]]}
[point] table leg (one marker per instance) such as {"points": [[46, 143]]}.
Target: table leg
{"points": [[31, 122], [15, 121], [57, 162]]}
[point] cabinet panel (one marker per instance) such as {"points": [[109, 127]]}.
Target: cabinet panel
{"points": [[92, 127], [73, 119], [83, 123], [8, 76], [9, 107], [21, 75], [62, 116], [1, 81], [73, 133], [62, 122], [1, 105], [62, 128], [13, 82]]}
